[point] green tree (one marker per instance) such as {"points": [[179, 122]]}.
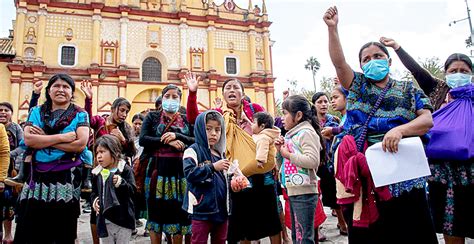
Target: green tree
{"points": [[327, 84], [313, 65], [432, 65]]}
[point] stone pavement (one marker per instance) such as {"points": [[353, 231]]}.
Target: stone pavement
{"points": [[329, 229]]}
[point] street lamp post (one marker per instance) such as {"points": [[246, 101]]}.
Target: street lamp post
{"points": [[470, 40]]}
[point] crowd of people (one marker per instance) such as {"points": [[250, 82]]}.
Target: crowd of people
{"points": [[224, 172]]}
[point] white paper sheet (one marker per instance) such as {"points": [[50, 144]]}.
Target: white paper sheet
{"points": [[408, 163]]}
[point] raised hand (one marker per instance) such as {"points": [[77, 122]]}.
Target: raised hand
{"points": [[192, 81], [37, 87], [331, 17], [86, 87], [389, 42], [218, 102], [286, 94]]}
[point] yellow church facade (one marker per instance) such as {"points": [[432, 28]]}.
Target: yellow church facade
{"points": [[134, 48]]}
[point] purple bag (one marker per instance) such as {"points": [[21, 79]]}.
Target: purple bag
{"points": [[452, 136]]}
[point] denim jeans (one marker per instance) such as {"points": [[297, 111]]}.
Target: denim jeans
{"points": [[302, 208]]}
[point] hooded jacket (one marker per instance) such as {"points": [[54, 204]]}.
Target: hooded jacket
{"points": [[265, 143], [115, 201], [207, 188], [299, 172]]}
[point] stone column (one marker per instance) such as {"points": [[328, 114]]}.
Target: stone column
{"points": [[20, 29], [15, 95], [211, 30], [266, 47], [183, 36], [270, 99], [123, 39], [253, 61], [97, 19], [95, 97], [41, 33]]}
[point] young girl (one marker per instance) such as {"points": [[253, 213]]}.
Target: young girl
{"points": [[300, 151], [113, 188]]}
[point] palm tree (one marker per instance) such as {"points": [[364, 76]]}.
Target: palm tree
{"points": [[313, 65]]}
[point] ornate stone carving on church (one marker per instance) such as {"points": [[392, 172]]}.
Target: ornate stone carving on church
{"points": [[137, 42], [229, 5], [29, 53], [257, 11], [69, 34], [106, 94], [109, 53], [170, 45], [32, 19], [197, 59], [30, 35], [110, 30], [197, 38], [154, 36], [238, 39], [59, 25]]}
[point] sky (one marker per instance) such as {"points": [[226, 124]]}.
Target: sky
{"points": [[421, 27]]}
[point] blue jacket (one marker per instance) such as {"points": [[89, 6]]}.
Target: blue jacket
{"points": [[206, 187]]}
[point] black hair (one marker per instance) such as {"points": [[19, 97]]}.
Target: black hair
{"points": [[138, 116], [229, 80], [263, 118], [247, 98], [317, 95], [214, 116], [377, 44], [297, 103], [112, 144], [64, 77], [119, 102], [341, 90], [457, 57], [158, 102], [8, 105], [171, 87], [126, 130]]}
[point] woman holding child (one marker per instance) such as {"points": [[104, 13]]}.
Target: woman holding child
{"points": [[254, 210]]}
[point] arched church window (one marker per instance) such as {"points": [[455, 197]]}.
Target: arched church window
{"points": [[151, 69]]}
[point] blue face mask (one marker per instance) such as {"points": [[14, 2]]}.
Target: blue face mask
{"points": [[170, 105], [458, 80], [376, 69]]}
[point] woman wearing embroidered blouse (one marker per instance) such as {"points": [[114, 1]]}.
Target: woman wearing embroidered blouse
{"points": [[404, 111], [254, 210], [165, 134], [452, 182], [57, 131]]}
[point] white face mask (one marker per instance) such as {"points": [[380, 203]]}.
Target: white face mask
{"points": [[458, 79]]}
